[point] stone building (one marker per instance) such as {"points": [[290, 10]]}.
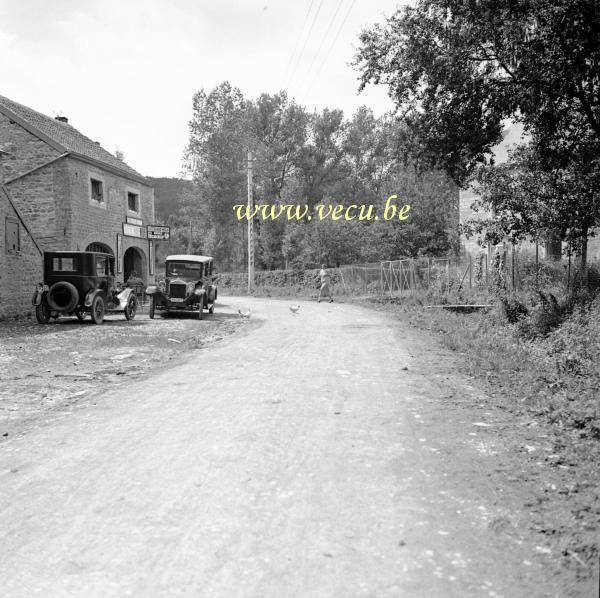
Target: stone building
{"points": [[73, 194], [20, 260]]}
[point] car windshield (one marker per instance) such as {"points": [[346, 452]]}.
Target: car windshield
{"points": [[189, 270]]}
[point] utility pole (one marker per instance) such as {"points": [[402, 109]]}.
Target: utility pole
{"points": [[190, 240], [250, 227]]}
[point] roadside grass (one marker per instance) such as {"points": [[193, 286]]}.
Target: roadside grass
{"points": [[549, 370], [543, 366]]}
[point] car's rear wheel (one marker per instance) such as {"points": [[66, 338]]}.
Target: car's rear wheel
{"points": [[63, 296], [42, 312], [131, 307], [211, 309], [151, 308], [97, 310]]}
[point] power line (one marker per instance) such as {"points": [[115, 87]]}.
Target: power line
{"points": [[306, 41], [331, 22], [307, 89], [297, 42]]}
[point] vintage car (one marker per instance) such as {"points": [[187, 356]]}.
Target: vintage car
{"points": [[188, 286], [81, 282]]}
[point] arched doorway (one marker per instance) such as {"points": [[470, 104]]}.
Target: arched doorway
{"points": [[103, 248], [133, 264]]}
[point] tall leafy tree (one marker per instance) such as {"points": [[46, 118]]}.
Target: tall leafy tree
{"points": [[216, 158], [457, 69]]}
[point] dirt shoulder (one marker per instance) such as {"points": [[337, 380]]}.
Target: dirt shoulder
{"points": [[46, 371], [559, 462]]}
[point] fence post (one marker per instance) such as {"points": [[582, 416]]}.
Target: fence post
{"points": [[470, 273], [537, 264], [487, 277], [512, 264], [428, 273]]}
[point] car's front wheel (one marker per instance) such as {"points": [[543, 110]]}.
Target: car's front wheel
{"points": [[211, 309], [42, 312], [131, 307], [97, 310], [151, 308], [201, 308]]}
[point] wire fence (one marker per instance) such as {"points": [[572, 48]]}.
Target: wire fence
{"points": [[506, 267], [414, 274]]}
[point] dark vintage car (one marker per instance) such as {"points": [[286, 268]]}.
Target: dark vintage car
{"points": [[188, 286], [80, 283]]}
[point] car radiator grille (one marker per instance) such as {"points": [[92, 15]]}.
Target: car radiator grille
{"points": [[177, 290]]}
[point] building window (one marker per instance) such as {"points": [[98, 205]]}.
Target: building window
{"points": [[133, 202], [97, 191], [13, 237]]}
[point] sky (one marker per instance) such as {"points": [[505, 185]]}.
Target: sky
{"points": [[124, 71]]}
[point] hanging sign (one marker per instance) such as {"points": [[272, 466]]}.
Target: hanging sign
{"points": [[158, 232]]}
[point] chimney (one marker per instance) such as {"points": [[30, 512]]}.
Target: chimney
{"points": [[62, 119]]}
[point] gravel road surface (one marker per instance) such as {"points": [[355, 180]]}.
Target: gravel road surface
{"points": [[327, 453]]}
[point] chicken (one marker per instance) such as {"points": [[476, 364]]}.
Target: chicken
{"points": [[244, 314], [294, 309]]}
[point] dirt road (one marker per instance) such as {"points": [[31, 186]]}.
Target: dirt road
{"points": [[328, 453]]}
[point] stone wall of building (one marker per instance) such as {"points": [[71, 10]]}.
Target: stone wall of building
{"points": [[24, 151], [99, 222], [54, 196], [468, 246], [19, 271], [42, 197], [593, 248]]}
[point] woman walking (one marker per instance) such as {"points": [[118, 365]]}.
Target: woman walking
{"points": [[325, 289]]}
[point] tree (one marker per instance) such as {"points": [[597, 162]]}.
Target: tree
{"points": [[457, 69], [216, 158], [524, 200], [317, 163]]}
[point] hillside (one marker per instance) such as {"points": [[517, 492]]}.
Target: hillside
{"points": [[167, 194]]}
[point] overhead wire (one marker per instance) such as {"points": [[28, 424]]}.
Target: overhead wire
{"points": [[324, 38], [297, 43], [306, 41], [324, 61]]}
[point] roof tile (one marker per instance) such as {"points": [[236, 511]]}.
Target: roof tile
{"points": [[66, 135]]}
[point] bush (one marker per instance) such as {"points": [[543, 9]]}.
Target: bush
{"points": [[544, 317], [576, 344], [512, 309]]}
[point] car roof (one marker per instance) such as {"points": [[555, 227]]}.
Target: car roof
{"points": [[188, 258], [50, 253]]}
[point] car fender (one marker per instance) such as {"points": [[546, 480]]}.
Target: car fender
{"points": [[198, 296], [123, 297], [152, 290], [38, 294], [89, 298]]}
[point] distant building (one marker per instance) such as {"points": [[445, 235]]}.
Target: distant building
{"points": [[73, 194]]}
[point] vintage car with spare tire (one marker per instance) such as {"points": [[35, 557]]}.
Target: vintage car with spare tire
{"points": [[188, 286], [78, 283]]}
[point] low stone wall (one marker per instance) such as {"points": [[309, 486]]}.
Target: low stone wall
{"points": [[300, 279]]}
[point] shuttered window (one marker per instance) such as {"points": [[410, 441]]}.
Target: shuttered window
{"points": [[12, 235]]}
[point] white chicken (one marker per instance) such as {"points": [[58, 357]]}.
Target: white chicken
{"points": [[244, 314], [294, 309]]}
